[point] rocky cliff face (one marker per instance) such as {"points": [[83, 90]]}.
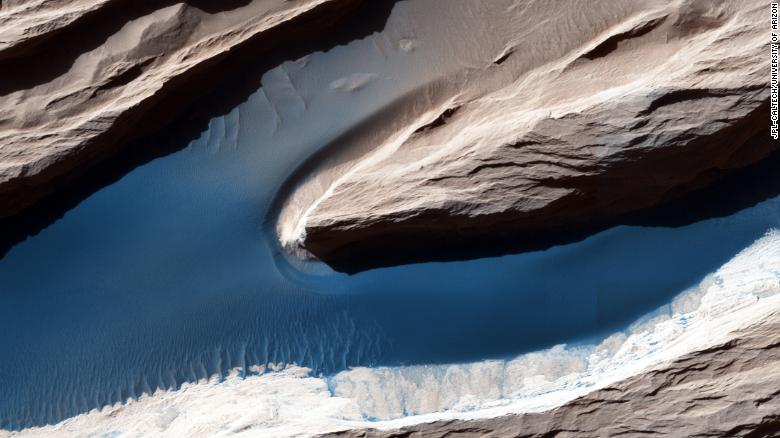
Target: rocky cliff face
{"points": [[729, 390], [78, 79], [622, 108], [561, 115]]}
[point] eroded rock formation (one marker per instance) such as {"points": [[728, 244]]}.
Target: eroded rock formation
{"points": [[78, 79], [729, 390], [624, 107]]}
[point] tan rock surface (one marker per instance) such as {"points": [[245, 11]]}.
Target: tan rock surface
{"points": [[591, 113], [75, 100], [730, 390], [26, 22]]}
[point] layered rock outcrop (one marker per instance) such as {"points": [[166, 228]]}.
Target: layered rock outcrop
{"points": [[729, 390], [614, 108], [78, 79], [659, 98]]}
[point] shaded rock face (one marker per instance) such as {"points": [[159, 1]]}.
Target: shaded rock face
{"points": [[79, 79], [730, 390], [651, 101]]}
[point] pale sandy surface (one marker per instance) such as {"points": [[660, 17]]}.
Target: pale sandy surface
{"points": [[556, 114], [737, 304]]}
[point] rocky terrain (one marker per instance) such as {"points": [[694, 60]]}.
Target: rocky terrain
{"points": [[79, 79], [729, 390], [616, 110], [704, 365], [537, 133], [559, 116]]}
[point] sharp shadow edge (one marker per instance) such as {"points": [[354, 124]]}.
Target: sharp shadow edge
{"points": [[61, 47], [730, 193], [246, 71]]}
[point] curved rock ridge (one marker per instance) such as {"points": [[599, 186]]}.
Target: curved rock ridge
{"points": [[582, 115], [709, 356], [25, 23], [728, 390], [78, 79]]}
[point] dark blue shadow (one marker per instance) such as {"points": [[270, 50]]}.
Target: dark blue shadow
{"points": [[166, 277]]}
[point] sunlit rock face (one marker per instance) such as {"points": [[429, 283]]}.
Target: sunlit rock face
{"points": [[703, 365], [728, 390], [181, 297], [81, 78], [555, 115]]}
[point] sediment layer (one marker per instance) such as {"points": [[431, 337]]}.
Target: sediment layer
{"points": [[79, 79], [617, 109], [728, 390]]}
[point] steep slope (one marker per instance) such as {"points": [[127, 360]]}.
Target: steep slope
{"points": [[603, 111], [79, 79]]}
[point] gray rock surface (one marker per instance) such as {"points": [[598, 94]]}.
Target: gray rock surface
{"points": [[620, 110], [79, 79], [730, 390]]}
